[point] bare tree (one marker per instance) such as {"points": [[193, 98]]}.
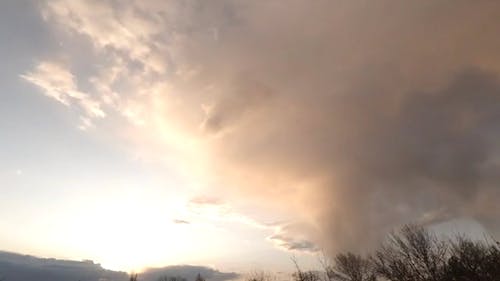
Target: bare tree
{"points": [[350, 267], [171, 278], [301, 275], [260, 276], [473, 260], [412, 254], [199, 278], [416, 254]]}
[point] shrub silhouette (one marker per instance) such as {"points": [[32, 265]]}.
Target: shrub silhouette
{"points": [[472, 260], [172, 278], [416, 254], [199, 278], [413, 253], [260, 276], [300, 275], [350, 267]]}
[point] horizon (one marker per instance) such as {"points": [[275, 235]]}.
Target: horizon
{"points": [[6, 256], [235, 135], [448, 230]]}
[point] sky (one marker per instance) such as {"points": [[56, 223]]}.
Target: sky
{"points": [[236, 134]]}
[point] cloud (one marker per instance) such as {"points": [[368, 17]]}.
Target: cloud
{"points": [[345, 119], [291, 243], [204, 200], [178, 221], [295, 237], [59, 83], [247, 96], [286, 235], [215, 210], [119, 29], [18, 267], [21, 267]]}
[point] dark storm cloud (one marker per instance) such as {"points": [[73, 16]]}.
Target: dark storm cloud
{"points": [[245, 96], [354, 116], [374, 121], [430, 158]]}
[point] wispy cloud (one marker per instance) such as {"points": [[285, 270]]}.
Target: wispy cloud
{"points": [[123, 29], [293, 244], [285, 235], [58, 83], [216, 210], [179, 221]]}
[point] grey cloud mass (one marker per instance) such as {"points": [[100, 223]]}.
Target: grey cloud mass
{"points": [[18, 267], [374, 120], [355, 116], [291, 243]]}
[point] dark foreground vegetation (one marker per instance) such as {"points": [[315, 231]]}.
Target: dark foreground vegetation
{"points": [[134, 277], [411, 254], [415, 254]]}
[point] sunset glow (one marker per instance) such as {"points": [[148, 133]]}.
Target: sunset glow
{"points": [[234, 135]]}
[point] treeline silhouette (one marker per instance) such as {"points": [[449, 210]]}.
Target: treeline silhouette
{"points": [[134, 277], [414, 254], [411, 254]]}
